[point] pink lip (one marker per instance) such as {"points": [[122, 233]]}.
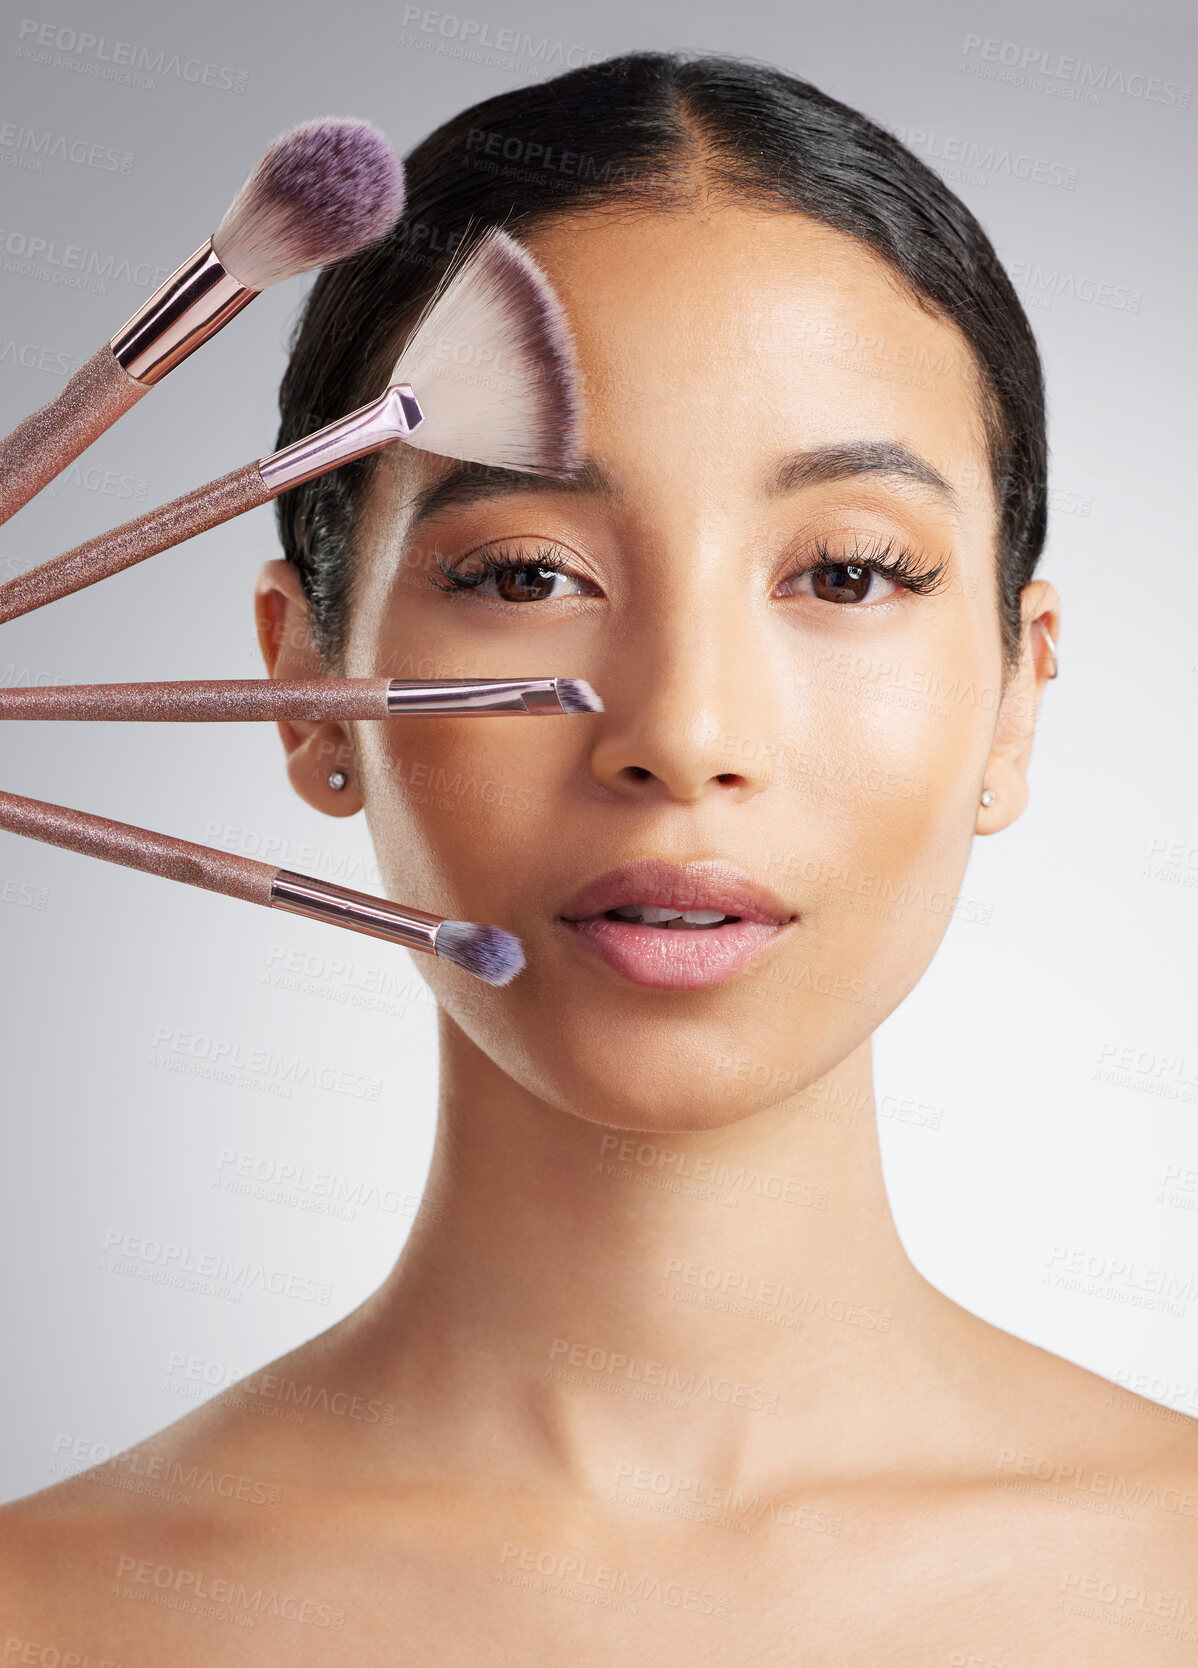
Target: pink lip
{"points": [[669, 959]]}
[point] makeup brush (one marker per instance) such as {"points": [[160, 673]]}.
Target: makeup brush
{"points": [[488, 375], [321, 192], [239, 700], [489, 953]]}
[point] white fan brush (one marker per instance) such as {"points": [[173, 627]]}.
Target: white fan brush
{"points": [[491, 362]]}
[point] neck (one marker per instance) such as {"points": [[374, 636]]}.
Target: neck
{"points": [[602, 1279]]}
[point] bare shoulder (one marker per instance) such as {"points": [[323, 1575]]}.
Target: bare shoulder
{"points": [[1101, 1470], [110, 1550], [1059, 1402]]}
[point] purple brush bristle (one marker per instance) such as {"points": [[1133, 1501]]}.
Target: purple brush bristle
{"points": [[343, 174], [576, 695], [492, 955], [321, 192]]}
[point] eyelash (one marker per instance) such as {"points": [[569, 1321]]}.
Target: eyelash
{"points": [[890, 560], [493, 562]]}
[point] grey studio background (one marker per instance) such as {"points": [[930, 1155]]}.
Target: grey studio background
{"points": [[230, 1081]]}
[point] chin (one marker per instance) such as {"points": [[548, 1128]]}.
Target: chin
{"points": [[651, 1072], [682, 1112]]}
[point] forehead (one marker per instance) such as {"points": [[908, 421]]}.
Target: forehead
{"points": [[733, 329]]}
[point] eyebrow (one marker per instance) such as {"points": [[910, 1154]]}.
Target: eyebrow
{"points": [[842, 461], [466, 483], [469, 483]]}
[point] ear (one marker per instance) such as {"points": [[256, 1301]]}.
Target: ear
{"points": [[314, 751], [1011, 752]]}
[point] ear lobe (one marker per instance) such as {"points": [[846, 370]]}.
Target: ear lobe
{"points": [[324, 752], [1009, 785]]}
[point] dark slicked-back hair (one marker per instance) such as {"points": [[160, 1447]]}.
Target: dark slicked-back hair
{"points": [[641, 131]]}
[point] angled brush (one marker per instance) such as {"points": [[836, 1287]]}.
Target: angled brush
{"points": [[317, 700]]}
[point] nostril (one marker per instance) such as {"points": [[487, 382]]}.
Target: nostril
{"points": [[638, 773], [728, 779]]}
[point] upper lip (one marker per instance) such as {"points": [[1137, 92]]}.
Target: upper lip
{"points": [[709, 883]]}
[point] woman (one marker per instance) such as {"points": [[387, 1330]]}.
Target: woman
{"points": [[654, 1369]]}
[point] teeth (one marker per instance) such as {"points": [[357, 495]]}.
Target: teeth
{"points": [[655, 916]]}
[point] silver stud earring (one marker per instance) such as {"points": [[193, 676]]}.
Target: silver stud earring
{"points": [[337, 780], [988, 796]]}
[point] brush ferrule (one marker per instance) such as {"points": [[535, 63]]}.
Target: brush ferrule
{"points": [[475, 695], [320, 900], [392, 416], [179, 317]]}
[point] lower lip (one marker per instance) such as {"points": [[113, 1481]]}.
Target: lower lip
{"points": [[671, 958]]}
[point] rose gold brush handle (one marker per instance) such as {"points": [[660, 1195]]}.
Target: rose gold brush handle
{"points": [[41, 447], [217, 871], [233, 700], [194, 303], [157, 530], [138, 848], [392, 416]]}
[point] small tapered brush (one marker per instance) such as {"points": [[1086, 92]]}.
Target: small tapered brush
{"points": [[242, 700], [488, 375], [489, 953], [321, 192]]}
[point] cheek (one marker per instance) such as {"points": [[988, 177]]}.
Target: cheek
{"points": [[892, 736], [882, 776], [454, 803]]}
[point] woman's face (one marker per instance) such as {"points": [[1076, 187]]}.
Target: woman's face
{"points": [[790, 735]]}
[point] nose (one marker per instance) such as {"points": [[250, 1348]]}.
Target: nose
{"points": [[685, 714]]}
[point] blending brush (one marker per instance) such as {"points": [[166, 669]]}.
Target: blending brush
{"points": [[488, 375], [240, 700], [321, 192], [489, 953]]}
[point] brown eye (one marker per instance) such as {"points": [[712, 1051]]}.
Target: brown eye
{"points": [[526, 584], [844, 582], [506, 576]]}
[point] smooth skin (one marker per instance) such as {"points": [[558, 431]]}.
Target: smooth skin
{"points": [[633, 1420]]}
